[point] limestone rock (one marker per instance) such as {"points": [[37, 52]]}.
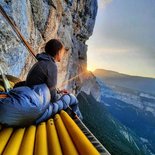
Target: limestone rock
{"points": [[91, 86]]}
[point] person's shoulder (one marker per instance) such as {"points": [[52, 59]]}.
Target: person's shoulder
{"points": [[42, 63], [52, 63], [51, 66]]}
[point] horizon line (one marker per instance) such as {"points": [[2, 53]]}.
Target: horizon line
{"points": [[124, 73]]}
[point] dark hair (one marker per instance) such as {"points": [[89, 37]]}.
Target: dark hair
{"points": [[53, 46]]}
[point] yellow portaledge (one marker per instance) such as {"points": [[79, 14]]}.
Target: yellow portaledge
{"points": [[13, 146], [67, 145], [83, 145], [53, 140], [58, 136], [41, 147], [28, 141], [4, 137]]}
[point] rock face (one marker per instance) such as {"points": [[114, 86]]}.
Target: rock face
{"points": [[91, 86], [41, 20]]}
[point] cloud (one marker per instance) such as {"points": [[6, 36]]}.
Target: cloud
{"points": [[115, 50], [103, 3]]}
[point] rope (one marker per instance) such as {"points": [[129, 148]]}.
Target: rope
{"points": [[16, 30], [71, 79]]}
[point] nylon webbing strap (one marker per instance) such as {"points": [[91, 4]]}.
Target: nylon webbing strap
{"points": [[16, 30], [5, 81], [3, 96]]}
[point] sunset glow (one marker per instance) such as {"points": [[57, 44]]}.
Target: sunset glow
{"points": [[91, 68], [123, 38]]}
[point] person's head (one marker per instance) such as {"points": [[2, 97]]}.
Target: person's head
{"points": [[55, 49]]}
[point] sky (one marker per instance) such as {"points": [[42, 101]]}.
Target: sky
{"points": [[124, 37]]}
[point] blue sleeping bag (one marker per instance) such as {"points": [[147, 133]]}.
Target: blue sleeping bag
{"points": [[24, 105]]}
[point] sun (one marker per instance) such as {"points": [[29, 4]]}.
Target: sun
{"points": [[90, 68]]}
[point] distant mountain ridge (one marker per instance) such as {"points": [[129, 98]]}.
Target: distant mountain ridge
{"points": [[117, 139], [114, 73], [143, 84]]}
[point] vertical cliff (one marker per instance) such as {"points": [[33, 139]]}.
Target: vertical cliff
{"points": [[72, 21]]}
